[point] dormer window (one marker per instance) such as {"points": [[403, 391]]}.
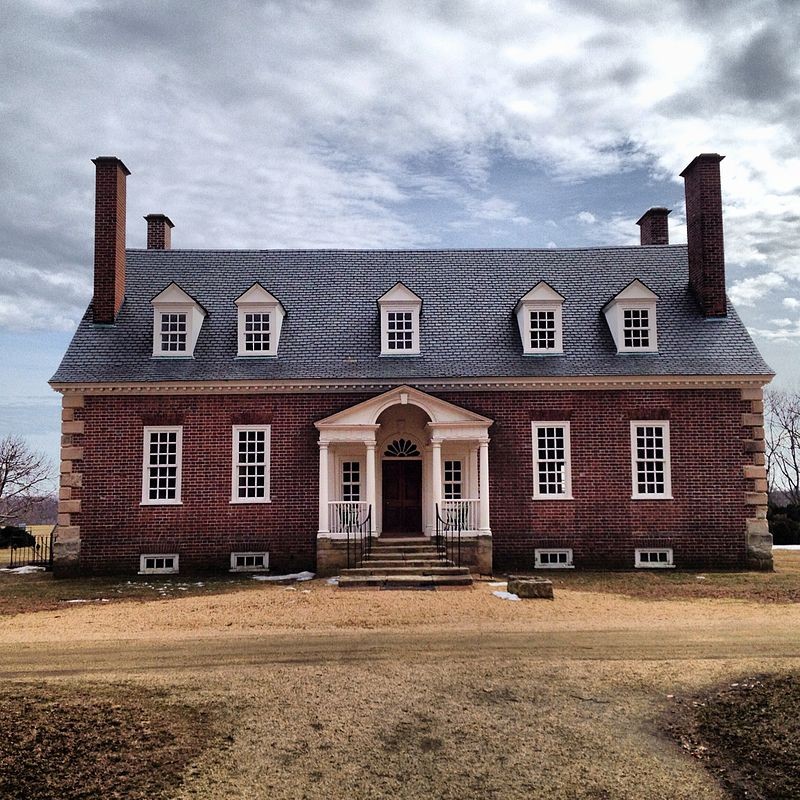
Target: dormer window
{"points": [[400, 313], [631, 317], [260, 319], [177, 319], [540, 320]]}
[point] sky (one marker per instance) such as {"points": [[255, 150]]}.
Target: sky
{"points": [[463, 123]]}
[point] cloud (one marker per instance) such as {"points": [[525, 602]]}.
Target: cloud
{"points": [[791, 303], [747, 291], [586, 217]]}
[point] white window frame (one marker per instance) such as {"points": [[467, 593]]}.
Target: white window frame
{"points": [[158, 321], [668, 564], [535, 426], [345, 459], [146, 465], [558, 347], [248, 554], [237, 429], [652, 332], [540, 551], [144, 570], [400, 309], [268, 311], [667, 460], [462, 470]]}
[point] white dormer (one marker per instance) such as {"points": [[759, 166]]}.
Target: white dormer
{"points": [[400, 310], [540, 321], [177, 319], [260, 320], [631, 316]]}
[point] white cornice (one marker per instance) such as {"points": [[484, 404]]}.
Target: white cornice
{"points": [[585, 383]]}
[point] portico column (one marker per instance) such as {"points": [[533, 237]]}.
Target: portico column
{"points": [[484, 484], [323, 487], [436, 467], [371, 496]]}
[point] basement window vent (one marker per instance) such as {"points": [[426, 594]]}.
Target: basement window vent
{"points": [[158, 564], [554, 559], [649, 558], [249, 562]]}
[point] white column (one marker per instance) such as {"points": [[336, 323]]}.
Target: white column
{"points": [[324, 477], [484, 479], [371, 496], [436, 469]]}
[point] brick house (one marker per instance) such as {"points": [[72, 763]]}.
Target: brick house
{"points": [[234, 409]]}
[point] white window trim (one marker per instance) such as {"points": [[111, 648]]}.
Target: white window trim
{"points": [[172, 308], [652, 328], [539, 551], [667, 494], [639, 564], [537, 495], [558, 318], [146, 501], [269, 310], [267, 498], [414, 309], [238, 554], [339, 488], [159, 571]]}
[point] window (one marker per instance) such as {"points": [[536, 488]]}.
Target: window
{"points": [[400, 311], [540, 320], [260, 320], [551, 461], [177, 320], [650, 460], [158, 564], [655, 557], [452, 487], [553, 559], [249, 562], [173, 333], [351, 481], [250, 464], [161, 478], [636, 328]]}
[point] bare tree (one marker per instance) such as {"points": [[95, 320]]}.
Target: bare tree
{"points": [[782, 443], [25, 478]]}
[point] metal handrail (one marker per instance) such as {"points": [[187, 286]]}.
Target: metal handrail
{"points": [[448, 536], [361, 535]]}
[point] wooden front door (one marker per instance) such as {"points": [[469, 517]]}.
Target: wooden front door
{"points": [[402, 497]]}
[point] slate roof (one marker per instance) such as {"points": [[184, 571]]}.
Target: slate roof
{"points": [[468, 326]]}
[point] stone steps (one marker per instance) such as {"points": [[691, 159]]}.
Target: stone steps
{"points": [[435, 569], [389, 563], [410, 581]]}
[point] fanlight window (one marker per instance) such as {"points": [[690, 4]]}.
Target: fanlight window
{"points": [[402, 448]]}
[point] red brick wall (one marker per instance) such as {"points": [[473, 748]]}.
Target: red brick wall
{"points": [[704, 523]]}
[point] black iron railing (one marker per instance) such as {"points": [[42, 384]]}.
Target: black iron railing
{"points": [[448, 534], [35, 551], [359, 538]]}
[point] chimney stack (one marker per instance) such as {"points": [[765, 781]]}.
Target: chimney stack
{"points": [[653, 227], [704, 233], [109, 238], [159, 232]]}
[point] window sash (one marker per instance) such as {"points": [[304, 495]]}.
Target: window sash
{"points": [[251, 455], [551, 461], [351, 481], [257, 331], [542, 329], [161, 465], [636, 328], [453, 483], [650, 460], [173, 329], [400, 330]]}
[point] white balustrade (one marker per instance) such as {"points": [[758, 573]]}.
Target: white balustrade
{"points": [[463, 515], [346, 515]]}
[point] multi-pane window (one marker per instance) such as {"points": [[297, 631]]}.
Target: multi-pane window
{"points": [[400, 330], [543, 330], [256, 331], [173, 332], [159, 563], [162, 465], [351, 481], [636, 328], [251, 464], [551, 460], [660, 557], [452, 487], [553, 559], [650, 459]]}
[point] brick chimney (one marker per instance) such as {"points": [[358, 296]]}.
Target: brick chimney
{"points": [[704, 233], [653, 228], [159, 232], [109, 238]]}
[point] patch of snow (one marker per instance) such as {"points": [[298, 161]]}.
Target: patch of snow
{"points": [[786, 547], [76, 601], [294, 576], [506, 595], [22, 570], [333, 581], [499, 583]]}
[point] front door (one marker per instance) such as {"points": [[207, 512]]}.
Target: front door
{"points": [[402, 497]]}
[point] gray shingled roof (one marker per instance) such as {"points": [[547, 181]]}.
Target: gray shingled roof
{"points": [[331, 329]]}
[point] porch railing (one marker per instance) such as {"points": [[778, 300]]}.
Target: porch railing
{"points": [[448, 535], [463, 514], [354, 520]]}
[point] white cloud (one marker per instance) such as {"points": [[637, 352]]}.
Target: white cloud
{"points": [[791, 303], [747, 291], [586, 217]]}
